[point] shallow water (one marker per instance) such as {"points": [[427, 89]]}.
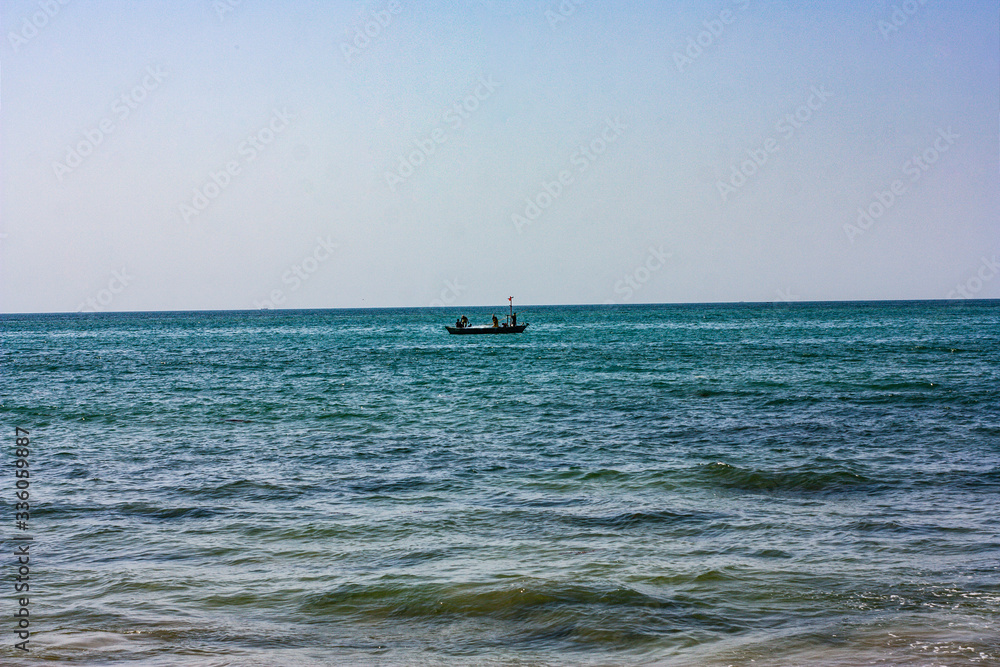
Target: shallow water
{"points": [[678, 485]]}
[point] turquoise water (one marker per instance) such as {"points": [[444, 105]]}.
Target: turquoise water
{"points": [[681, 485]]}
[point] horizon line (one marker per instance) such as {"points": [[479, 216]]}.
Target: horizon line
{"points": [[539, 305]]}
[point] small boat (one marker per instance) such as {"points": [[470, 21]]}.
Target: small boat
{"points": [[508, 326], [502, 329]]}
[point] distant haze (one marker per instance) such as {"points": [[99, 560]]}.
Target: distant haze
{"points": [[231, 154]]}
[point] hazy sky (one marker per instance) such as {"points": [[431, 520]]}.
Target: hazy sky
{"points": [[227, 154]]}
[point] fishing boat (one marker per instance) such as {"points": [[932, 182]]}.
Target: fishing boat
{"points": [[508, 326]]}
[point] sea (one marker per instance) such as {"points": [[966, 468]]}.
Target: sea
{"points": [[716, 484]]}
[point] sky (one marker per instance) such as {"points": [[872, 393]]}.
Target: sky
{"points": [[240, 154]]}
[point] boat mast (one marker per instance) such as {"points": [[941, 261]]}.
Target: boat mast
{"points": [[510, 318]]}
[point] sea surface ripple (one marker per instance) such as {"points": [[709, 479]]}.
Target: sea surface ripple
{"points": [[807, 484]]}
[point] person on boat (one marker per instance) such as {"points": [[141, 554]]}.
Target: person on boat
{"points": [[496, 322], [513, 319], [465, 321], [458, 323]]}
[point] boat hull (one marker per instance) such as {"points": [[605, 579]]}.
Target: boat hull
{"points": [[465, 331]]}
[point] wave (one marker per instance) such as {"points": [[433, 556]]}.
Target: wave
{"points": [[794, 480], [148, 511], [243, 489], [638, 519], [532, 610]]}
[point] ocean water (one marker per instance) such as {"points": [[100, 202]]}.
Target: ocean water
{"points": [[794, 484]]}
